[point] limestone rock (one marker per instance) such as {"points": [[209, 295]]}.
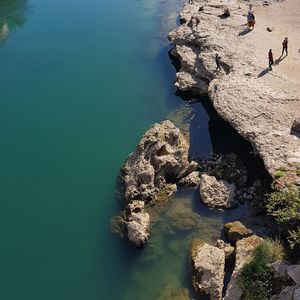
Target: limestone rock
{"points": [[249, 101], [192, 180], [217, 193], [208, 266], [235, 231], [228, 249], [244, 249], [160, 157], [138, 223]]}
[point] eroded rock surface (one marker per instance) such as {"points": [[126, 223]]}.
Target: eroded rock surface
{"points": [[262, 108], [217, 193], [244, 249], [192, 180], [149, 177], [208, 265], [137, 223], [160, 157]]}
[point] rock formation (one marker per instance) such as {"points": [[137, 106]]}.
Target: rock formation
{"points": [[244, 249], [235, 231], [137, 223], [161, 157], [217, 193], [149, 176], [208, 267], [192, 180], [261, 108]]}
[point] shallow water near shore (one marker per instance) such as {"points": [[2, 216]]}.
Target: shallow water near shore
{"points": [[80, 82]]}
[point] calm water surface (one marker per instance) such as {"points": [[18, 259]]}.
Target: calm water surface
{"points": [[80, 82]]}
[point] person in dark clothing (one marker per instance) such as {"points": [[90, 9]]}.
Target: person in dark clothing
{"points": [[218, 59], [285, 46], [271, 61]]}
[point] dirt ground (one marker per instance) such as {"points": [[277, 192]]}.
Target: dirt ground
{"points": [[284, 20]]}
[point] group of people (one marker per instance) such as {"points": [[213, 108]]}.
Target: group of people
{"points": [[251, 23], [284, 49]]}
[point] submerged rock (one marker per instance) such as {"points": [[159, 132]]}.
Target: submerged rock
{"points": [[137, 223], [208, 269], [244, 249], [235, 231], [172, 291], [217, 193], [161, 157]]}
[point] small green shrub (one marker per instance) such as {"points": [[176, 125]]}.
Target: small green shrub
{"points": [[278, 173], [256, 276], [294, 238], [284, 205], [298, 172]]}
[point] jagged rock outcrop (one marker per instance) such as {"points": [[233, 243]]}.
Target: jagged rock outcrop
{"points": [[192, 180], [217, 193], [261, 108], [244, 249], [161, 157], [149, 176], [137, 223], [208, 269], [235, 231]]}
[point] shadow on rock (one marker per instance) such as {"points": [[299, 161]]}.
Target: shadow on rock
{"points": [[264, 72]]}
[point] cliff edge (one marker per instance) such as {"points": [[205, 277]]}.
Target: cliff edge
{"points": [[259, 102]]}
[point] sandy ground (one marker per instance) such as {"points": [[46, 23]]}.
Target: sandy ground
{"points": [[284, 18]]}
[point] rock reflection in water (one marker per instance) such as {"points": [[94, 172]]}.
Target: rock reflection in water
{"points": [[12, 15]]}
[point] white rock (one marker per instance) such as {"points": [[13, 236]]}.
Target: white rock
{"points": [[160, 157], [217, 193], [208, 263], [240, 93], [138, 223]]}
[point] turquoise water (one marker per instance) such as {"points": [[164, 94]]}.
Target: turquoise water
{"points": [[80, 81]]}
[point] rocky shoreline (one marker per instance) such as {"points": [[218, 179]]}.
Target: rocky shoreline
{"points": [[254, 104], [244, 97]]}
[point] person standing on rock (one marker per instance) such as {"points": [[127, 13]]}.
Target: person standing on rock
{"points": [[271, 60], [218, 59], [285, 46]]}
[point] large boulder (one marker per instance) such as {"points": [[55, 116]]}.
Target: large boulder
{"points": [[217, 193], [137, 223], [244, 249], [161, 157], [235, 231], [208, 269]]}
